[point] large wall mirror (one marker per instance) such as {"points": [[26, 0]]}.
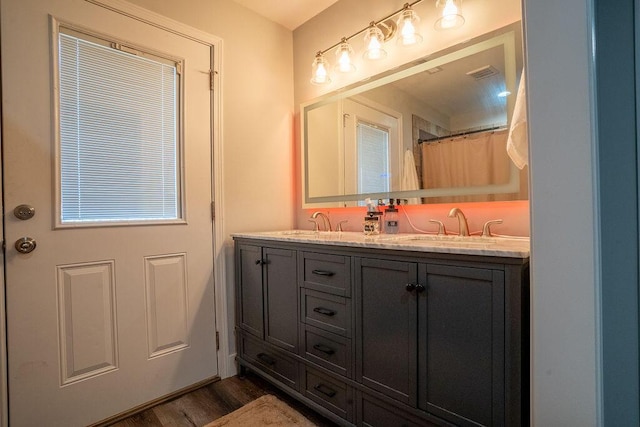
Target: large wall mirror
{"points": [[433, 131]]}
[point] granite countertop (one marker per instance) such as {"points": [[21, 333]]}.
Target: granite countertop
{"points": [[504, 246]]}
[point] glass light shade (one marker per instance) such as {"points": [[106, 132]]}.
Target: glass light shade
{"points": [[373, 40], [343, 53], [451, 14], [407, 23], [320, 70]]}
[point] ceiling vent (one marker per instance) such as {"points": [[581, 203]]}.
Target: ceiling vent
{"points": [[483, 72]]}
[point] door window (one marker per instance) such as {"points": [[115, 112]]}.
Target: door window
{"points": [[373, 158], [118, 128]]}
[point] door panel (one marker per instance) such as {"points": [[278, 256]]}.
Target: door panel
{"points": [[101, 318], [462, 314], [386, 333], [281, 285]]}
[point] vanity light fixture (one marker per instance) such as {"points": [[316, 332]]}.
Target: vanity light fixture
{"points": [[344, 53], [380, 31], [451, 14], [320, 70], [407, 23]]}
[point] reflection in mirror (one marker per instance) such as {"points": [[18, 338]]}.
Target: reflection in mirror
{"points": [[432, 132]]}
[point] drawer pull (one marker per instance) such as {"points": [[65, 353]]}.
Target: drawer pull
{"points": [[324, 311], [327, 391], [323, 273], [324, 349], [266, 359]]}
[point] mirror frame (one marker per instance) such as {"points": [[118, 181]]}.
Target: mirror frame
{"points": [[505, 37]]}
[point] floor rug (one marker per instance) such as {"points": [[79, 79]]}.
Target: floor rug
{"points": [[265, 411]]}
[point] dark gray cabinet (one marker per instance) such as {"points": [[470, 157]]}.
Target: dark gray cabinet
{"points": [[377, 337], [267, 294], [432, 336]]}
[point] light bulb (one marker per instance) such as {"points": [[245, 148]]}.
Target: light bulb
{"points": [[374, 48], [343, 53], [319, 70], [373, 39], [451, 15], [407, 23]]}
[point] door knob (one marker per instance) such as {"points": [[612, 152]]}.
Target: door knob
{"points": [[24, 212], [25, 245]]}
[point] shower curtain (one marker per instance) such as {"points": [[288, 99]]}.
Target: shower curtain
{"points": [[472, 160]]}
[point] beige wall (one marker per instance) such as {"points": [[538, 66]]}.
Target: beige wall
{"points": [[257, 121], [257, 109], [347, 17]]}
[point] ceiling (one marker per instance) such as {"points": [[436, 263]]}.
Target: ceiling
{"points": [[291, 13]]}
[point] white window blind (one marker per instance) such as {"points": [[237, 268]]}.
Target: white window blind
{"points": [[373, 158], [118, 135]]}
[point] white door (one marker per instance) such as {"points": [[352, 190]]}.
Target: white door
{"points": [[102, 318]]}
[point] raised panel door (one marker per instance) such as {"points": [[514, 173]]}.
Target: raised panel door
{"points": [[281, 298], [386, 329], [461, 344], [250, 312]]}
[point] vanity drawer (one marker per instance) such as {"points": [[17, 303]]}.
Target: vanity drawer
{"points": [[328, 350], [328, 312], [329, 392], [271, 361], [327, 273], [375, 413]]}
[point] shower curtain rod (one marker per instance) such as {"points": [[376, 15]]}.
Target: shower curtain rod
{"points": [[455, 135]]}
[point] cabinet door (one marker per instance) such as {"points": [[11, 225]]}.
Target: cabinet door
{"points": [[249, 296], [281, 298], [386, 347], [461, 345]]}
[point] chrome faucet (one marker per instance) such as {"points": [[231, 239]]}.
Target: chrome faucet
{"points": [[462, 221], [325, 220]]}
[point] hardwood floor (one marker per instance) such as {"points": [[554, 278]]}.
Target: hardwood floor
{"points": [[211, 402]]}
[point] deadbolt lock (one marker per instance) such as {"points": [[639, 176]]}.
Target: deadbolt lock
{"points": [[24, 212]]}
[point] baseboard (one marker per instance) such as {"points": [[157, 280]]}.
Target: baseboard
{"points": [[232, 366]]}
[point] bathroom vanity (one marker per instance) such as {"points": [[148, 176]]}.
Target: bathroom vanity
{"points": [[388, 330]]}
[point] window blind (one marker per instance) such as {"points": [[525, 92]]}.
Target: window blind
{"points": [[118, 135], [373, 158]]}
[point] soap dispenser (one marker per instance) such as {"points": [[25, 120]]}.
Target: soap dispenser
{"points": [[391, 225], [371, 223]]}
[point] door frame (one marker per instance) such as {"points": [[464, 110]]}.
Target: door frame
{"points": [[225, 365]]}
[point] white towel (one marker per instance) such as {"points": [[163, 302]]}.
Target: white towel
{"points": [[518, 142], [410, 177]]}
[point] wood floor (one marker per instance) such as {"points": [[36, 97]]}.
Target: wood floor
{"points": [[211, 402]]}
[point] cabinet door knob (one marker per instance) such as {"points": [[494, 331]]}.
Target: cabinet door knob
{"points": [[420, 288], [260, 262], [410, 287]]}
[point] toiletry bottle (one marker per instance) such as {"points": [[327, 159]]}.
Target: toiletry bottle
{"points": [[391, 225], [371, 224]]}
